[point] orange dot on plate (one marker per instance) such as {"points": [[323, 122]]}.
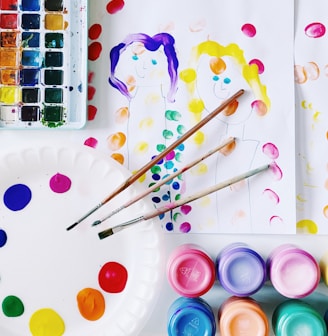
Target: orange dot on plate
{"points": [[91, 304]]}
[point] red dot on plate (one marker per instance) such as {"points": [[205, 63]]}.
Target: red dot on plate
{"points": [[92, 111], [113, 277]]}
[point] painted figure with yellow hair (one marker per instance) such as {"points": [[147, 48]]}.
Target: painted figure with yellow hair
{"points": [[216, 72]]}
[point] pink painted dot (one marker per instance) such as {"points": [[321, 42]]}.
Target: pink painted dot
{"points": [[270, 150], [248, 29], [60, 183], [315, 30], [259, 107], [185, 227], [271, 195], [91, 142], [170, 156], [276, 171], [185, 209], [259, 65]]}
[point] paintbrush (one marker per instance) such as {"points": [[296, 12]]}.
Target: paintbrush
{"points": [[159, 157], [165, 180], [173, 205]]}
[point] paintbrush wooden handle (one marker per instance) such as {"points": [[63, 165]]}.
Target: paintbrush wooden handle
{"points": [[175, 144], [165, 180], [219, 186]]}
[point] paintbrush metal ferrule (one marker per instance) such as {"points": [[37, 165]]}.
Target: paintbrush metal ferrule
{"points": [[133, 178]]}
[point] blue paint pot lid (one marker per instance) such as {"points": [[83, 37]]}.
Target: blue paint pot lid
{"points": [[191, 318], [241, 271]]}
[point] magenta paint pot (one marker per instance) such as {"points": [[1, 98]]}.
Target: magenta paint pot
{"points": [[190, 271], [293, 272], [240, 270], [190, 316]]}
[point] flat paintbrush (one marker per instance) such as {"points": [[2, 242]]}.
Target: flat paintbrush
{"points": [[165, 180], [159, 157], [173, 205]]}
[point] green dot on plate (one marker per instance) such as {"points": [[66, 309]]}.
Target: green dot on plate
{"points": [[12, 306]]}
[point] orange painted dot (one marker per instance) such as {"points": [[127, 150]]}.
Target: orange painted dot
{"points": [[259, 107], [228, 149], [91, 304], [116, 141], [231, 108], [122, 115], [217, 65], [118, 157]]}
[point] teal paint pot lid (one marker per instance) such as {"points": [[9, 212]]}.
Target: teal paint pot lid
{"points": [[191, 316], [297, 318]]}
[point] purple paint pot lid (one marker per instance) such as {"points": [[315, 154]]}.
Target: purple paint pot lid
{"points": [[241, 271], [294, 272], [190, 271]]}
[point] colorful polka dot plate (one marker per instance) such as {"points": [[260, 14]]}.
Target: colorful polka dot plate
{"points": [[57, 282]]}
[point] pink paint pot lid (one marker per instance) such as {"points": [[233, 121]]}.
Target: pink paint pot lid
{"points": [[190, 271], [293, 272], [242, 316]]}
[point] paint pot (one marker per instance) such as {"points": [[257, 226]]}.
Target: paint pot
{"points": [[242, 316], [190, 316], [293, 272], [240, 270], [190, 271], [295, 317]]}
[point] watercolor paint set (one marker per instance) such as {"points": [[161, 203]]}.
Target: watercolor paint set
{"points": [[43, 64]]}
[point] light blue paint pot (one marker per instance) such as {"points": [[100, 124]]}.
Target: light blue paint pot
{"points": [[192, 317], [241, 270], [295, 317]]}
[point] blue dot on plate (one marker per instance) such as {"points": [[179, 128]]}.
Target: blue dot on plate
{"points": [[156, 199], [3, 238], [169, 226], [17, 197]]}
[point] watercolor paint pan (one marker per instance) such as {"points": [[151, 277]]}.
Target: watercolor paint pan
{"points": [[43, 64]]}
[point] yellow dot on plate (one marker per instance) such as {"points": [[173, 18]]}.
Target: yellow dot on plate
{"points": [[46, 322]]}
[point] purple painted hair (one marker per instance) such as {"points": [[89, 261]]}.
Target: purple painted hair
{"points": [[152, 44]]}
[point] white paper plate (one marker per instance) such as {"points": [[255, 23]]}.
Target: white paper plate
{"points": [[46, 266]]}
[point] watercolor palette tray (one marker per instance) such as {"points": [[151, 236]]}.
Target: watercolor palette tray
{"points": [[43, 63], [53, 281]]}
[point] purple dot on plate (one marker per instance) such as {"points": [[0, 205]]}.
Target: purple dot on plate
{"points": [[3, 238], [17, 197], [60, 183]]}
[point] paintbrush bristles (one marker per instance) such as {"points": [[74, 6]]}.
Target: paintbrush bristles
{"points": [[133, 178]]}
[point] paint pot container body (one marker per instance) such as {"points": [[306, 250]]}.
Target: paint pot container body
{"points": [[190, 316], [190, 271], [293, 272], [242, 316], [240, 270], [294, 317]]}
